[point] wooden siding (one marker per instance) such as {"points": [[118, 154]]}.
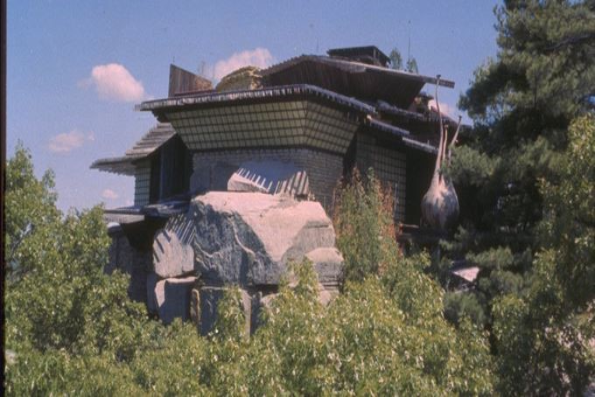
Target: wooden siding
{"points": [[182, 81], [390, 166], [142, 179], [280, 124], [322, 170]]}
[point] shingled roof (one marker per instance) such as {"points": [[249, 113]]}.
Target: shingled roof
{"points": [[150, 142], [159, 106]]}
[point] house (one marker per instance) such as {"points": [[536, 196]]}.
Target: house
{"points": [[296, 128]]}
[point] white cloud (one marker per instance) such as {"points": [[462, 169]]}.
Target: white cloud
{"points": [[129, 202], [109, 194], [68, 141], [114, 82], [260, 57], [445, 108]]}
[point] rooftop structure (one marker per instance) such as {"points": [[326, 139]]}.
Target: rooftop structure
{"points": [[344, 109]]}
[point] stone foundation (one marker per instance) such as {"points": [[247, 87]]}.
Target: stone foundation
{"points": [[136, 263]]}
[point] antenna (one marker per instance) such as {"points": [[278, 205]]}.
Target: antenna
{"points": [[408, 40]]}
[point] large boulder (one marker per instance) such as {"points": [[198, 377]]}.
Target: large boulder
{"points": [[244, 239], [249, 238]]}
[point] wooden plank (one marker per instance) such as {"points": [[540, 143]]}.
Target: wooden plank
{"points": [[181, 81]]}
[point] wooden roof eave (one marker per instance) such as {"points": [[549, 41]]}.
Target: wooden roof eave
{"points": [[355, 67], [160, 107], [401, 135], [115, 165], [144, 148]]}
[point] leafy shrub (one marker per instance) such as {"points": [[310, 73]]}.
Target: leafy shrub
{"points": [[72, 329], [363, 219]]}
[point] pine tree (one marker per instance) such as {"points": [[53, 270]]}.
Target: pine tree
{"points": [[522, 103]]}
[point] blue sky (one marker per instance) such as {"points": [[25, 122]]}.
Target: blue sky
{"points": [[77, 68]]}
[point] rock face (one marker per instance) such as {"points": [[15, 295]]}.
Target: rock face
{"points": [[248, 239], [246, 78]]}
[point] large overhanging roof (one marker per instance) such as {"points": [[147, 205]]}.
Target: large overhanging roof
{"points": [[288, 116], [353, 79], [150, 142], [277, 116]]}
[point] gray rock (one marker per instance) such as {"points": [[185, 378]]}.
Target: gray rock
{"points": [[171, 257], [172, 297], [248, 238], [126, 258], [152, 305], [208, 301], [326, 294], [328, 264]]}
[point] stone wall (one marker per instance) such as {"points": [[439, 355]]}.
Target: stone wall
{"points": [[136, 263], [212, 170]]}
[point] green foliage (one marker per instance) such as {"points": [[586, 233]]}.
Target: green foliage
{"points": [[364, 225], [412, 66], [231, 321], [62, 313], [458, 305], [30, 213], [363, 343], [72, 329], [396, 60], [471, 167], [543, 335], [522, 104], [172, 364], [526, 190], [568, 226]]}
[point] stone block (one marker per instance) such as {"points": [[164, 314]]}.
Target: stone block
{"points": [[173, 298], [151, 297], [328, 264], [171, 257]]}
